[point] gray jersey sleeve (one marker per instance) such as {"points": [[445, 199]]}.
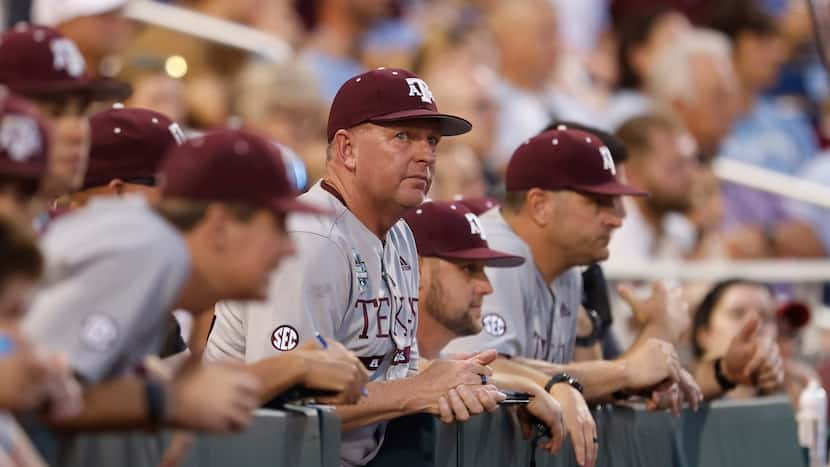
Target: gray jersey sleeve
{"points": [[227, 336], [503, 319], [309, 293], [103, 310]]}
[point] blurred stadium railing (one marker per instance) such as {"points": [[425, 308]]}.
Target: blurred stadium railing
{"points": [[758, 433]]}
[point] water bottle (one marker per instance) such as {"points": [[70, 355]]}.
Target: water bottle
{"points": [[812, 423]]}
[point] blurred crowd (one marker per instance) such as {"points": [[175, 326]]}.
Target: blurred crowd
{"points": [[670, 87]]}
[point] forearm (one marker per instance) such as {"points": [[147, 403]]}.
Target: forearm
{"points": [[385, 400], [113, 405], [278, 374], [655, 329], [504, 380], [586, 354], [599, 378]]}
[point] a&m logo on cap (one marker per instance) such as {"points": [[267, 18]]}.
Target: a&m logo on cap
{"points": [[607, 160], [19, 137], [66, 56], [418, 87], [475, 225]]}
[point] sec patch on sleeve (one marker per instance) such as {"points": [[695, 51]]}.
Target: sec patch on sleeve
{"points": [[494, 324], [99, 332], [285, 338]]}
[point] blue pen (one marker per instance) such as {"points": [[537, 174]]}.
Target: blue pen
{"points": [[325, 345]]}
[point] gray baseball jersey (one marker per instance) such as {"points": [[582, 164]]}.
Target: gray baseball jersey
{"points": [[524, 316], [113, 271], [344, 283]]}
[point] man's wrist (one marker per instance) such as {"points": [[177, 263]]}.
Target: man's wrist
{"points": [[156, 399], [722, 376], [169, 417], [563, 378]]}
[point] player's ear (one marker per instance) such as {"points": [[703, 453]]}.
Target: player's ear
{"points": [[538, 206], [343, 149]]}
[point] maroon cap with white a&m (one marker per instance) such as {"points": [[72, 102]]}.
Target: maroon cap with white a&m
{"points": [[24, 144], [388, 95], [448, 230], [565, 160]]}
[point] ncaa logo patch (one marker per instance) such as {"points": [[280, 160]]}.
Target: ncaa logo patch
{"points": [[494, 325], [285, 338]]}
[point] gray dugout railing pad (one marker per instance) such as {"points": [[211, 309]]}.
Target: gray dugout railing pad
{"points": [[302, 436], [757, 433]]}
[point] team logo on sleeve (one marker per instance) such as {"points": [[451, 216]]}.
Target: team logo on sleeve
{"points": [[494, 325], [360, 271], [99, 332], [285, 338]]}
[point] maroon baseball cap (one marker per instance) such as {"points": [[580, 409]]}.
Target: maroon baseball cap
{"points": [[128, 143], [565, 160], [24, 143], [232, 166], [39, 61], [448, 230], [387, 95], [478, 206]]}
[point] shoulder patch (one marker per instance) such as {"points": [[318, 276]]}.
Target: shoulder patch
{"points": [[99, 332], [285, 338], [494, 324]]}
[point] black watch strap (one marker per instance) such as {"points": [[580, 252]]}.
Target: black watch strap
{"points": [[155, 402], [723, 381], [596, 330], [563, 378]]}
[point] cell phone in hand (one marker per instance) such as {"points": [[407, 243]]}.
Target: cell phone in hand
{"points": [[516, 398]]}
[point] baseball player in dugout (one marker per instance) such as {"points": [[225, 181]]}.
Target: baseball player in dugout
{"points": [[203, 242], [561, 206], [23, 160], [452, 255], [355, 277], [47, 69]]}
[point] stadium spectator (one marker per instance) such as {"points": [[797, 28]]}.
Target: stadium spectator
{"points": [[98, 28], [768, 133], [154, 88], [283, 101], [333, 48], [733, 340], [640, 34], [693, 77], [661, 161], [468, 89], [203, 66]]}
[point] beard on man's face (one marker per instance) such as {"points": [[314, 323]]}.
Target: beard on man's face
{"points": [[460, 323]]}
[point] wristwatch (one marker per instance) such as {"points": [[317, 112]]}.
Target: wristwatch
{"points": [[563, 378]]}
